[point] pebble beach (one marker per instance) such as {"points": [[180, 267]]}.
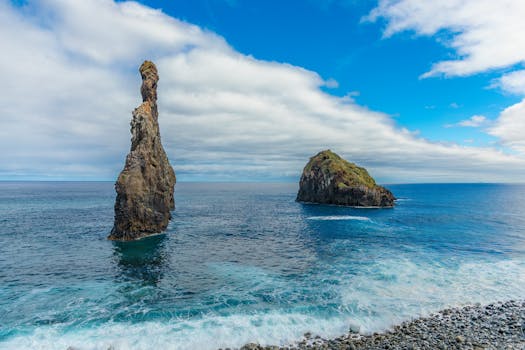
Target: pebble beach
{"points": [[495, 326]]}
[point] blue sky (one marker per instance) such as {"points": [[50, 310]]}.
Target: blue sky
{"points": [[329, 38], [414, 91]]}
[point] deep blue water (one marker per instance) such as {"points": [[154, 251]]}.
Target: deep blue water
{"points": [[245, 262]]}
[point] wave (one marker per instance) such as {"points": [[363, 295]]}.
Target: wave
{"points": [[384, 293], [400, 289], [339, 217], [209, 333]]}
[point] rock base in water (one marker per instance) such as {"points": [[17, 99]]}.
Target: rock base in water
{"points": [[329, 179]]}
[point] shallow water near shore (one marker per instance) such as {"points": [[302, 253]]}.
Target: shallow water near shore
{"points": [[245, 263]]}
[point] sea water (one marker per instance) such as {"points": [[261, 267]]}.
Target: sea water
{"points": [[245, 263]]}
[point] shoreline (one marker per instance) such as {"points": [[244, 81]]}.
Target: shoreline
{"points": [[495, 326]]}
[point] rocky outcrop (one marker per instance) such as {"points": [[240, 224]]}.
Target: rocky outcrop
{"points": [[329, 179], [145, 185]]}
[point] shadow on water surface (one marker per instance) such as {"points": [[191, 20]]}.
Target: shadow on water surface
{"points": [[142, 260]]}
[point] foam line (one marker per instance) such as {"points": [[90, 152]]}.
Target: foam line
{"points": [[338, 217]]}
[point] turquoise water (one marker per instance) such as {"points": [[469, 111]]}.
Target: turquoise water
{"points": [[244, 262]]}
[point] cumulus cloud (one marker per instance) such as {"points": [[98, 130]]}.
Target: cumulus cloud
{"points": [[70, 81], [475, 121], [485, 35], [513, 82], [510, 127]]}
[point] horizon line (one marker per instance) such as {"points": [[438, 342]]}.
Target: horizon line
{"points": [[286, 182]]}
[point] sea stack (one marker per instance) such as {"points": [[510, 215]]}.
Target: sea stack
{"points": [[330, 179], [145, 185]]}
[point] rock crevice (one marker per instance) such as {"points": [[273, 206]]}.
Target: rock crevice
{"points": [[146, 184]]}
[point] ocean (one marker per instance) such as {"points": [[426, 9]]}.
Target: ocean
{"points": [[243, 262]]}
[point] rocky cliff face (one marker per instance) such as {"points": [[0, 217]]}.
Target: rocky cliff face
{"points": [[145, 185], [329, 179]]}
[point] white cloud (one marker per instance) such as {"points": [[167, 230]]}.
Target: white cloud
{"points": [[66, 104], [513, 82], [510, 127], [105, 32], [475, 121], [331, 83], [486, 34]]}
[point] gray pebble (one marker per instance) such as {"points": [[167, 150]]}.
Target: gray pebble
{"points": [[491, 327]]}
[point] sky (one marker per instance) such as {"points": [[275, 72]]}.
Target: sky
{"points": [[415, 91]]}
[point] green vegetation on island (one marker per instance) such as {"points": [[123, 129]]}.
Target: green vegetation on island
{"points": [[330, 179]]}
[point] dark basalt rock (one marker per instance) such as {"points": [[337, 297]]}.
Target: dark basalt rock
{"points": [[145, 185], [329, 179]]}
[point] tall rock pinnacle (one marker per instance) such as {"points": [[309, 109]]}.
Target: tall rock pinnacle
{"points": [[145, 185]]}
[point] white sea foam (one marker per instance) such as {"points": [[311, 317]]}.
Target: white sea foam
{"points": [[339, 217], [399, 290], [386, 292], [204, 334]]}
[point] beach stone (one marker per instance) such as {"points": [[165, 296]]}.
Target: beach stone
{"points": [[308, 335], [443, 331], [146, 184], [251, 346]]}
